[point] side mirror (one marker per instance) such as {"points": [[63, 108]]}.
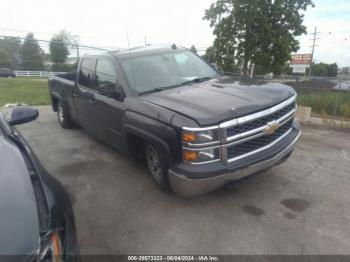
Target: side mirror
{"points": [[111, 90], [23, 114]]}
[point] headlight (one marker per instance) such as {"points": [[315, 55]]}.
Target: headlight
{"points": [[200, 155], [52, 252], [200, 145], [200, 137]]}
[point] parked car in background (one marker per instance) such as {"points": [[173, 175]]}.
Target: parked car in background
{"points": [[342, 86], [196, 129], [6, 72], [36, 216]]}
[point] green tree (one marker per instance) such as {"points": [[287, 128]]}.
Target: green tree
{"points": [[5, 59], [59, 50], [346, 71], [323, 69], [209, 55], [332, 70], [257, 31], [193, 49], [31, 54], [319, 69], [9, 49]]}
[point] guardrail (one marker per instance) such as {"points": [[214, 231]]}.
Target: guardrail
{"points": [[36, 73]]}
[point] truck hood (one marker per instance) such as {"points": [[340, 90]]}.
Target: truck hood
{"points": [[216, 100], [19, 222]]}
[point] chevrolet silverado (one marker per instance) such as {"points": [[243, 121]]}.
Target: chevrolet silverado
{"points": [[196, 129]]}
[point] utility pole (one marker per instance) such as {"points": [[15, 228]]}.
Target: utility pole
{"points": [[313, 47], [77, 46]]}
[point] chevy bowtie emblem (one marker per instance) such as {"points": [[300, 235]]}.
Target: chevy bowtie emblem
{"points": [[271, 127]]}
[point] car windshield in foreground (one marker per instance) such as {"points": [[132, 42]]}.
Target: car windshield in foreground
{"points": [[158, 72]]}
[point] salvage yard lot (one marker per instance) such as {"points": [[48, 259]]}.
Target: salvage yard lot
{"points": [[299, 207]]}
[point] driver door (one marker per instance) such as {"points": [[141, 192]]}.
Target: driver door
{"points": [[108, 116], [84, 94]]}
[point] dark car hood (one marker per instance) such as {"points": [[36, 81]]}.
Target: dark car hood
{"points": [[215, 101], [19, 223]]}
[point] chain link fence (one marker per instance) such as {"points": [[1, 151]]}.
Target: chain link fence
{"points": [[325, 99]]}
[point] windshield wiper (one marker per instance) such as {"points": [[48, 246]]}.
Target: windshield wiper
{"points": [[159, 89], [196, 80]]}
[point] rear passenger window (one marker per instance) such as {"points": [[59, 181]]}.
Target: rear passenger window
{"points": [[86, 73]]}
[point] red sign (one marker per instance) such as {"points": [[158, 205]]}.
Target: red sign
{"points": [[301, 59]]}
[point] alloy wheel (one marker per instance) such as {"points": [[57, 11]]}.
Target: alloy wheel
{"points": [[153, 162]]}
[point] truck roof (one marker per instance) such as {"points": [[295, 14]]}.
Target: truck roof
{"points": [[144, 50]]}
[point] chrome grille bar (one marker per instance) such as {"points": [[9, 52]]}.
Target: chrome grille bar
{"points": [[259, 131], [228, 141], [260, 149], [257, 115]]}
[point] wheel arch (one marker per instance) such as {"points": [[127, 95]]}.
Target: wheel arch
{"points": [[136, 137], [54, 101]]}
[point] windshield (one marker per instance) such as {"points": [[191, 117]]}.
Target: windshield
{"points": [[155, 72]]}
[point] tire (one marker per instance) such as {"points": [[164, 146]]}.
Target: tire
{"points": [[63, 116], [158, 167]]}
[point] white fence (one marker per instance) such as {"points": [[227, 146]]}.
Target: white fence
{"points": [[36, 73]]}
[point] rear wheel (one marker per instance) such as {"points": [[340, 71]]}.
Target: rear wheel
{"points": [[63, 116], [158, 167]]}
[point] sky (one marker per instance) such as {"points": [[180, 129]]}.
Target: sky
{"points": [[123, 23]]}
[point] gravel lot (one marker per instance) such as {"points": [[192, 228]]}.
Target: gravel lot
{"points": [[299, 207]]}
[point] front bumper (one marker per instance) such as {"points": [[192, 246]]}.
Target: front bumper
{"points": [[185, 186]]}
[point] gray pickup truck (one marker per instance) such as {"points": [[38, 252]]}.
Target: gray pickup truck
{"points": [[195, 129]]}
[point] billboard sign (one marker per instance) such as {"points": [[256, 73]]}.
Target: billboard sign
{"points": [[301, 59], [300, 69]]}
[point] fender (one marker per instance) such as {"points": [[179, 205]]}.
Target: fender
{"points": [[55, 95], [160, 143]]}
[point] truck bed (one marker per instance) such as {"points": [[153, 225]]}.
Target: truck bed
{"points": [[67, 78], [61, 87]]}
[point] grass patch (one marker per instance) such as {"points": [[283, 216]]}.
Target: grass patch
{"points": [[324, 101], [23, 90]]}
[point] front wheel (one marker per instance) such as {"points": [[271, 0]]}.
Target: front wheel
{"points": [[158, 167], [63, 116]]}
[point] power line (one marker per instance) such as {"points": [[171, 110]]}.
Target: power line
{"points": [[25, 31], [49, 41], [144, 41], [52, 34]]}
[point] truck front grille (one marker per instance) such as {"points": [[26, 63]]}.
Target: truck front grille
{"points": [[245, 127], [243, 148], [248, 135]]}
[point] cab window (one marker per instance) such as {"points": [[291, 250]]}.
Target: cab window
{"points": [[86, 73], [105, 74]]}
